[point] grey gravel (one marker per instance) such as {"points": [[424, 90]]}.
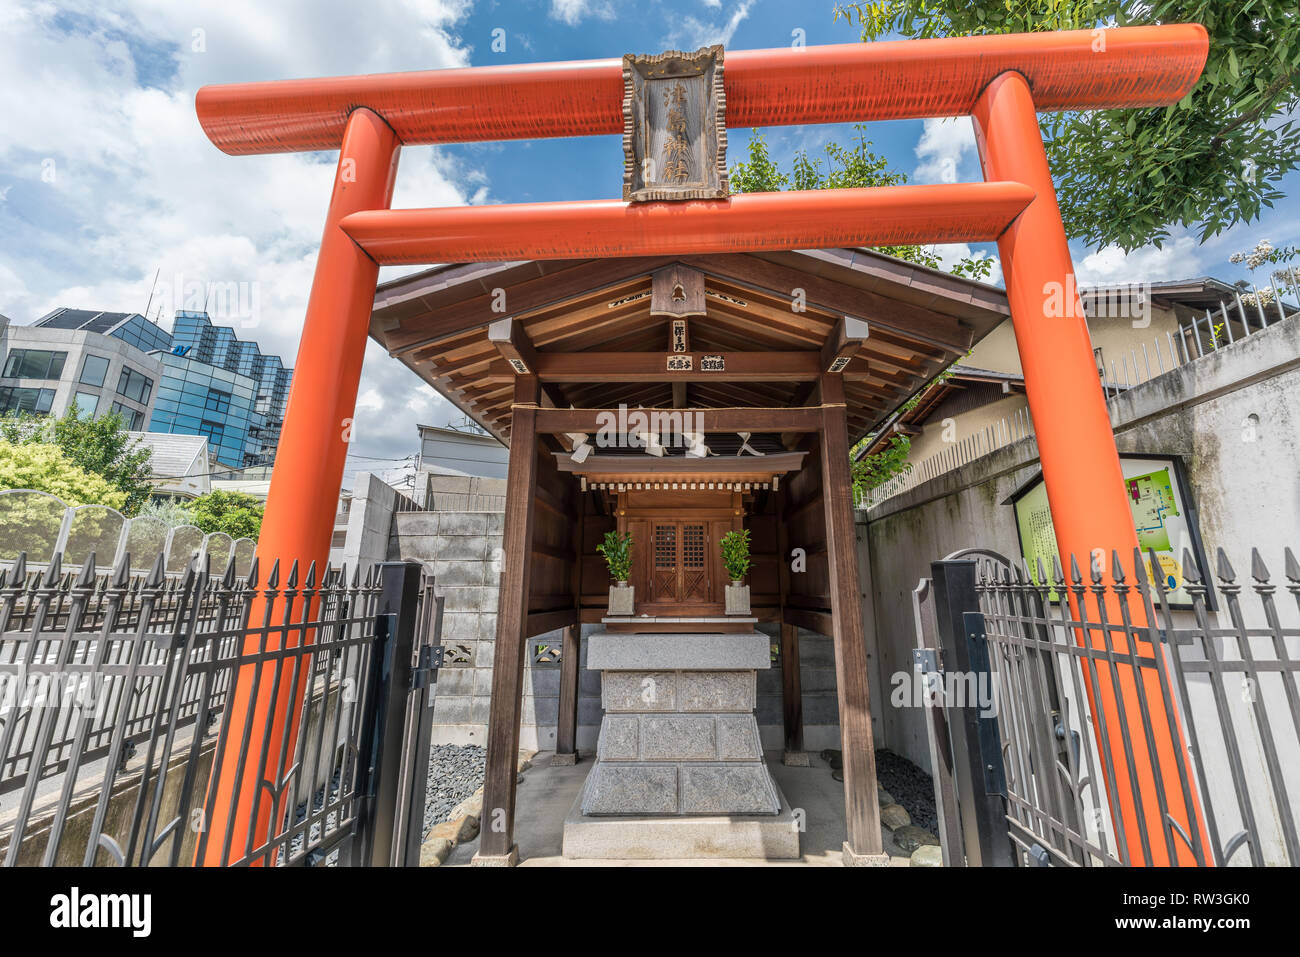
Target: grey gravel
{"points": [[456, 771], [910, 787]]}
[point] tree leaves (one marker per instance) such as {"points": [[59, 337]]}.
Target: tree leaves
{"points": [[1127, 176]]}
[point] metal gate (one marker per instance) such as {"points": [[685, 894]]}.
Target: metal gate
{"points": [[115, 706], [1027, 781]]}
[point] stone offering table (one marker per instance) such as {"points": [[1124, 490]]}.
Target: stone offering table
{"points": [[679, 766]]}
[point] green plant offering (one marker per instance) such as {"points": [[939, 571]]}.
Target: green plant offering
{"points": [[735, 554], [617, 549]]}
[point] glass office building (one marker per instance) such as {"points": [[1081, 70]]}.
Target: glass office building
{"points": [[195, 337], [130, 327], [197, 398]]}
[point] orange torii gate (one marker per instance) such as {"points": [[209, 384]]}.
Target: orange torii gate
{"points": [[1002, 82]]}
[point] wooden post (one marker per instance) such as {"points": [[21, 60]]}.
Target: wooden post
{"points": [[566, 731], [792, 698], [791, 686], [862, 814], [497, 847]]}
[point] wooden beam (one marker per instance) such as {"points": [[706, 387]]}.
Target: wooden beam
{"points": [[862, 813], [562, 367], [679, 393], [511, 340], [843, 343], [498, 843], [540, 622], [550, 287], [712, 420], [909, 322]]}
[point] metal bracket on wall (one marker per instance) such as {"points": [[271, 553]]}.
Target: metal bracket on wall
{"points": [[432, 657]]}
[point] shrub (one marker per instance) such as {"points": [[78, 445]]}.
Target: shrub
{"points": [[617, 549], [735, 554]]}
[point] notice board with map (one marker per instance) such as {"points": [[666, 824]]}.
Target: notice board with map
{"points": [[1162, 516]]}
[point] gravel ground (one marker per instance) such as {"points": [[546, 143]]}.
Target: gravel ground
{"points": [[455, 772], [910, 787]]}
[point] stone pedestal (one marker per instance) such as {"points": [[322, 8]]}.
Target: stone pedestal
{"points": [[679, 741]]}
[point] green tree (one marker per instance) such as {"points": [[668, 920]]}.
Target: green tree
{"points": [[45, 468], [856, 167], [876, 469], [99, 445], [1125, 176], [237, 514]]}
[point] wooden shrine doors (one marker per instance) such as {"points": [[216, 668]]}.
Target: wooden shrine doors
{"points": [[679, 562], [676, 562]]}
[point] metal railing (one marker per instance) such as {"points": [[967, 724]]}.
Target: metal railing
{"points": [[1057, 647], [115, 712]]}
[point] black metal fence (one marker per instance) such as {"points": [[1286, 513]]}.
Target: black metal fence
{"points": [[116, 713], [1088, 675]]}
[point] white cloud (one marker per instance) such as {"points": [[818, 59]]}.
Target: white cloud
{"points": [[573, 12], [694, 33], [1177, 259], [952, 253], [110, 178], [942, 145]]}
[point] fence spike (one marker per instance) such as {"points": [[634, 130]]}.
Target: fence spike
{"points": [[4, 577], [293, 575], [1058, 576], [273, 580], [122, 571], [356, 576], [1116, 567], [311, 575], [251, 581], [1226, 574], [1094, 568], [1190, 572], [55, 570], [1015, 573], [1257, 569], [1075, 575], [1042, 572], [228, 578], [86, 578], [1140, 567], [1292, 566], [158, 573], [20, 570]]}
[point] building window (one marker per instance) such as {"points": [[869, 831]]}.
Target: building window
{"points": [[215, 431], [35, 364], [135, 386], [130, 417], [217, 402], [94, 370], [15, 399], [87, 403]]}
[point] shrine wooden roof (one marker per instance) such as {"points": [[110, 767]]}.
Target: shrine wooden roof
{"points": [[588, 328]]}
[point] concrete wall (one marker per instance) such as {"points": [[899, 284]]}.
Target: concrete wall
{"points": [[1234, 418]]}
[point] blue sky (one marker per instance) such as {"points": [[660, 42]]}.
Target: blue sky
{"points": [[106, 178]]}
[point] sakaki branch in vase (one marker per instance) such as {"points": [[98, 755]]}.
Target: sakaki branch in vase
{"points": [[735, 556], [617, 549]]}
